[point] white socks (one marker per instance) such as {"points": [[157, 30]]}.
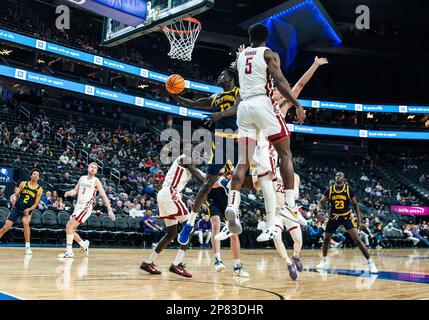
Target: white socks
{"points": [[27, 244], [290, 197], [152, 257], [234, 198], [217, 256], [191, 218], [179, 257], [237, 262], [269, 199], [69, 242], [81, 243]]}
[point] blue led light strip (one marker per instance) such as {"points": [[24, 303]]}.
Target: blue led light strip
{"points": [[80, 88], [144, 73], [98, 60]]}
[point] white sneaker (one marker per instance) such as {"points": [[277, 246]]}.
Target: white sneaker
{"points": [[323, 264], [224, 233], [372, 268], [85, 248], [28, 251], [219, 266], [66, 255], [234, 224], [268, 234], [240, 271], [293, 214]]}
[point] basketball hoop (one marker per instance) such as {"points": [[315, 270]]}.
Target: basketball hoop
{"points": [[182, 36]]}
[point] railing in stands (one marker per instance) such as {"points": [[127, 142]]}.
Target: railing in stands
{"points": [[23, 111], [101, 165], [71, 145], [58, 138], [114, 173], [85, 154]]}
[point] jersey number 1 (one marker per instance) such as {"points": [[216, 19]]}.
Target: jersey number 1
{"points": [[248, 65]]}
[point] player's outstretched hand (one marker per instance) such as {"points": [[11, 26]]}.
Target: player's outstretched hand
{"points": [[27, 211], [320, 61], [112, 215], [212, 119], [300, 116], [240, 49]]}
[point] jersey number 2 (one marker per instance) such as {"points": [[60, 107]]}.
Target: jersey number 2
{"points": [[248, 65]]}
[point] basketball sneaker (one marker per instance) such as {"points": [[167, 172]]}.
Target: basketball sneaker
{"points": [[85, 248], [372, 267], [149, 267], [183, 237], [219, 266], [28, 251], [293, 214], [66, 255], [298, 263], [240, 271], [323, 264], [234, 224], [223, 234], [268, 234], [180, 270], [292, 272]]}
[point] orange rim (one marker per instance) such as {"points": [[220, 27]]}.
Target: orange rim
{"points": [[198, 27]]}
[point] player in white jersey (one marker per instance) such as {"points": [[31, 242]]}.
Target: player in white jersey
{"points": [[86, 190], [265, 158], [173, 210], [258, 66]]}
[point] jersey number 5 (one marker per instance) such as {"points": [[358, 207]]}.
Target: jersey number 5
{"points": [[248, 65]]}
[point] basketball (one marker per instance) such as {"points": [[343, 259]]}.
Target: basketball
{"points": [[175, 84]]}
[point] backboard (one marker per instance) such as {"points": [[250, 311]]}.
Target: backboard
{"points": [[160, 13]]}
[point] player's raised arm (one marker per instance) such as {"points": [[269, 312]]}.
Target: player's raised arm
{"points": [[297, 88], [36, 202], [202, 103], [273, 62], [103, 195]]}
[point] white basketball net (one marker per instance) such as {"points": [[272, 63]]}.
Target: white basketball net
{"points": [[182, 36]]}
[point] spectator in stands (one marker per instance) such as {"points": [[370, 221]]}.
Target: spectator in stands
{"points": [[100, 208], [416, 234], [73, 162], [60, 166], [3, 201], [64, 158], [67, 179], [379, 235], [48, 152], [59, 204], [16, 162], [137, 211], [46, 201], [110, 194], [409, 234], [204, 230], [39, 150], [315, 232], [54, 196], [149, 226], [115, 161], [365, 230], [18, 129], [118, 210], [17, 142], [364, 177]]}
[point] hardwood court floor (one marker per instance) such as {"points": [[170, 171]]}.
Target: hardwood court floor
{"points": [[115, 274]]}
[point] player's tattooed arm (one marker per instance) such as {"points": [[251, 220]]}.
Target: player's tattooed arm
{"points": [[273, 61], [36, 203], [202, 103], [355, 205], [106, 201]]}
